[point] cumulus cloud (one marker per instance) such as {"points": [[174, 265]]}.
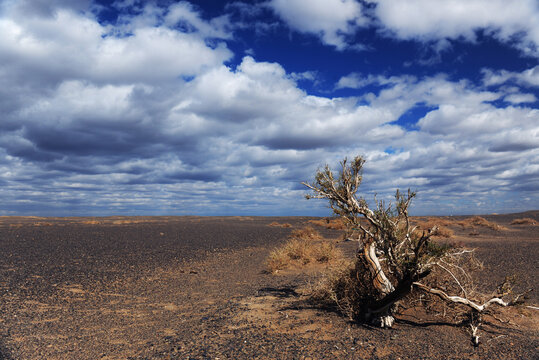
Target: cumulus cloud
{"points": [[435, 20], [331, 20], [520, 98], [96, 120], [71, 45], [431, 22], [529, 77]]}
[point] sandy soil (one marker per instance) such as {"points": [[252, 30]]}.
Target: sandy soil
{"points": [[195, 287]]}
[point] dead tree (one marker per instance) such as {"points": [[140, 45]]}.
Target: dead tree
{"points": [[394, 257]]}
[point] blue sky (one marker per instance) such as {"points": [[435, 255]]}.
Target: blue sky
{"points": [[224, 107]]}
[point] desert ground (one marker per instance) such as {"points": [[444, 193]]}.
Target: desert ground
{"points": [[198, 288]]}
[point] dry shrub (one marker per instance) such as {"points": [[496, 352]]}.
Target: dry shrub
{"points": [[297, 249], [306, 233], [278, 260], [330, 223], [276, 224], [480, 221], [524, 221], [304, 246], [325, 252], [348, 286], [443, 231]]}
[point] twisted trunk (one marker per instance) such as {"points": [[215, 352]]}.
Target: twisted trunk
{"points": [[384, 316]]}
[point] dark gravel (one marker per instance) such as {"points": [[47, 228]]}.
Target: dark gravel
{"points": [[194, 287]]}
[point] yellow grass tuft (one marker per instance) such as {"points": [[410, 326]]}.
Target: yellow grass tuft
{"points": [[276, 224], [442, 224], [330, 223], [524, 221], [306, 233], [480, 221], [305, 246]]}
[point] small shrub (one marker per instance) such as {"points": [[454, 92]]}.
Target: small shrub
{"points": [[278, 260], [297, 249], [325, 252], [524, 221], [304, 246], [306, 233]]}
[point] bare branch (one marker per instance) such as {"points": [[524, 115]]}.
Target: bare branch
{"points": [[465, 301]]}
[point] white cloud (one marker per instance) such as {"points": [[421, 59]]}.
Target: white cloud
{"points": [[436, 20], [332, 20], [69, 45], [351, 81], [520, 98], [422, 20], [529, 77], [184, 13]]}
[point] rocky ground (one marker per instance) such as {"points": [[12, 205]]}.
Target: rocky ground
{"points": [[195, 287]]}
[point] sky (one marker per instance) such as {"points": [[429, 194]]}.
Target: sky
{"points": [[224, 107]]}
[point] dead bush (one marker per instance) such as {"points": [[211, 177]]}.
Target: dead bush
{"points": [[394, 261], [524, 221]]}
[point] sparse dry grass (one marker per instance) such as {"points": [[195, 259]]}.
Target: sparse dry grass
{"points": [[330, 223], [443, 230], [305, 233], [90, 222], [325, 252], [445, 224], [480, 221], [277, 224], [41, 223], [305, 246], [524, 221], [124, 222]]}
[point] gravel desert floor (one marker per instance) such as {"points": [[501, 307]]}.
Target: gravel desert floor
{"points": [[197, 288]]}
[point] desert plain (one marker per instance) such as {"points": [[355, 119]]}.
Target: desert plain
{"points": [[199, 288]]}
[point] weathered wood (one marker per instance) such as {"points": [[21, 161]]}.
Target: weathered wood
{"points": [[388, 239]]}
